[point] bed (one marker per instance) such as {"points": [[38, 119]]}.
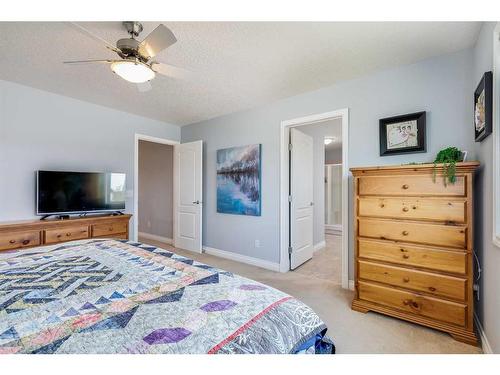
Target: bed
{"points": [[110, 296]]}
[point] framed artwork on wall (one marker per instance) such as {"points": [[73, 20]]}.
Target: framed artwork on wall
{"points": [[402, 134], [239, 180], [483, 107]]}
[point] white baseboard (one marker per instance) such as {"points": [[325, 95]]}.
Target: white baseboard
{"points": [[334, 227], [351, 284], [154, 237], [319, 246], [484, 340], [242, 258]]}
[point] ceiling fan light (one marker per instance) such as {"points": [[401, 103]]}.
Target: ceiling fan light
{"points": [[133, 71]]}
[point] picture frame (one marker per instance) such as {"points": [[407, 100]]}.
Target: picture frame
{"points": [[239, 188], [483, 107], [403, 134]]}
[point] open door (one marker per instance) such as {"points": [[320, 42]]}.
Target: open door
{"points": [[188, 162], [301, 198]]}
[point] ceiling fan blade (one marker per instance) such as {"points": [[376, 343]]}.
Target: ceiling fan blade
{"points": [[159, 39], [81, 62], [171, 71], [97, 38], [144, 86]]}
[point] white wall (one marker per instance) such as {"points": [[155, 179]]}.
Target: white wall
{"points": [[333, 155], [41, 130], [441, 86], [488, 307], [318, 132], [156, 189]]}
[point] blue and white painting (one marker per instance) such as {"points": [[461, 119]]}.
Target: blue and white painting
{"points": [[238, 180]]}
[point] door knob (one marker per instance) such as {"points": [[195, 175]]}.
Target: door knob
{"points": [[311, 204], [196, 202]]}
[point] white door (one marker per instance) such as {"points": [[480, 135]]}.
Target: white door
{"points": [[301, 203], [188, 193]]}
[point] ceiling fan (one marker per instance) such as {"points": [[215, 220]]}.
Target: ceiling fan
{"points": [[136, 62]]}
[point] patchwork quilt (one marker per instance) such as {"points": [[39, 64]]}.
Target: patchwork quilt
{"points": [[107, 296]]}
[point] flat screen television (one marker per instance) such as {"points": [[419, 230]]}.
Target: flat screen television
{"points": [[64, 193]]}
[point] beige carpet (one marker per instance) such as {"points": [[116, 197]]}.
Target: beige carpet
{"points": [[316, 283]]}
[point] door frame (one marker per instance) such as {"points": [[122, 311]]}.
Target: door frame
{"points": [[148, 138], [284, 181]]}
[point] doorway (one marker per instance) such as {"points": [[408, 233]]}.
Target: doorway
{"points": [[168, 192], [305, 200], [155, 213]]}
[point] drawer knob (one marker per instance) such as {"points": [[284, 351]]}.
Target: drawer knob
{"points": [[405, 256], [411, 303], [432, 289], [406, 279], [405, 187], [68, 234], [405, 233], [25, 242], [12, 241], [405, 209], [110, 229], [59, 235]]}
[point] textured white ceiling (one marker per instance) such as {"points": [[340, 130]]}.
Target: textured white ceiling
{"points": [[236, 65]]}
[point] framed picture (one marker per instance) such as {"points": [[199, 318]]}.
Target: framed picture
{"points": [[238, 180], [483, 104], [402, 134]]}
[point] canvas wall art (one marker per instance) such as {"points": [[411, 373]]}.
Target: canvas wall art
{"points": [[238, 180]]}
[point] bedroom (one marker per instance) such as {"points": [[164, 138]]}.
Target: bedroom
{"points": [[227, 254]]}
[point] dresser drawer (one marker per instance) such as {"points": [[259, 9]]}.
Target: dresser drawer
{"points": [[410, 185], [431, 234], [99, 230], [430, 307], [66, 234], [420, 281], [440, 209], [412, 255], [16, 240]]}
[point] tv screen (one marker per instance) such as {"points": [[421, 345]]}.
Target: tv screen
{"points": [[79, 192]]}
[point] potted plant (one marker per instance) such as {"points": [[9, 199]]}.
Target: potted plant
{"points": [[448, 157]]}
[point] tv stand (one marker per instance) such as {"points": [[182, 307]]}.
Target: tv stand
{"points": [[29, 233]]}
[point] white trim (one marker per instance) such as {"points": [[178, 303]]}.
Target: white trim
{"points": [[284, 130], [484, 340], [351, 284], [155, 237], [319, 246], [335, 227], [242, 258], [142, 137], [496, 135]]}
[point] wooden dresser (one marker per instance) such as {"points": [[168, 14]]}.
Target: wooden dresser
{"points": [[414, 246], [29, 233]]}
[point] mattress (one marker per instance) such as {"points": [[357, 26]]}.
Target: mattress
{"points": [[108, 296]]}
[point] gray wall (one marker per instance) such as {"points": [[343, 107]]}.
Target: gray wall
{"points": [[156, 164], [40, 130], [318, 132], [333, 155], [441, 86], [488, 307]]}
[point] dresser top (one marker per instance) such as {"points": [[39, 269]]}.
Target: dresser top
{"points": [[468, 166]]}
